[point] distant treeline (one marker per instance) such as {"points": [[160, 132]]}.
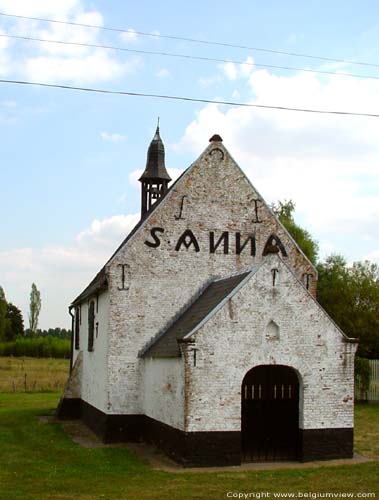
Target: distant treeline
{"points": [[60, 333], [37, 347]]}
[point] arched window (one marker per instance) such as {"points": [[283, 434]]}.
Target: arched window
{"points": [[272, 331]]}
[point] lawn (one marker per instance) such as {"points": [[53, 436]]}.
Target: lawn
{"points": [[40, 461]]}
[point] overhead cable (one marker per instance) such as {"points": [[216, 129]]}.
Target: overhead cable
{"points": [[188, 99], [183, 56], [191, 40]]}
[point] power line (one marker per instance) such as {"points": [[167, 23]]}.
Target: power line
{"points": [[183, 56], [191, 40], [187, 99]]}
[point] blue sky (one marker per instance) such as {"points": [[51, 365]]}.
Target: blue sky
{"points": [[70, 160]]}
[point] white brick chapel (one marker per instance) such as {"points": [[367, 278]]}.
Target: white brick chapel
{"points": [[202, 332]]}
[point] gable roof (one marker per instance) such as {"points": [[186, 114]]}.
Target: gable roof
{"points": [[100, 283], [212, 298]]}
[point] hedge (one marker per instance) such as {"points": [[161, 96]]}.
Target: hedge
{"points": [[40, 347]]}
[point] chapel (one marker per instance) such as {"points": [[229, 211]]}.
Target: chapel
{"points": [[202, 333]]}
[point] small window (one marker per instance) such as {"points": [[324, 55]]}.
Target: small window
{"points": [[91, 324], [77, 327]]}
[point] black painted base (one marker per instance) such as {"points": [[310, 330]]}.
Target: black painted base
{"points": [[198, 449], [326, 444], [69, 409]]}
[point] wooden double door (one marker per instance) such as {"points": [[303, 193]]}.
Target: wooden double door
{"points": [[270, 414]]}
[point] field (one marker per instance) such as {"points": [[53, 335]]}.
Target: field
{"points": [[33, 374], [39, 461]]}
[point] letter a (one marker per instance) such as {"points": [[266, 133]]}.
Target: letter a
{"points": [[187, 239]]}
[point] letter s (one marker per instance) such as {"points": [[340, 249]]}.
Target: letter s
{"points": [[153, 232]]}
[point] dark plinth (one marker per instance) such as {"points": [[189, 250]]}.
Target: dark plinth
{"points": [[198, 449], [69, 409], [195, 449], [326, 444]]}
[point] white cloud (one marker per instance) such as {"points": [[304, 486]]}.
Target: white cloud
{"points": [[59, 62], [373, 256], [96, 67], [61, 272], [56, 9], [233, 71], [129, 35], [230, 70], [247, 68], [163, 73], [4, 41], [103, 234], [70, 34], [112, 137], [329, 165]]}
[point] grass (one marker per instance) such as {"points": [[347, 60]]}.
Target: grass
{"points": [[33, 374], [39, 461], [366, 439]]}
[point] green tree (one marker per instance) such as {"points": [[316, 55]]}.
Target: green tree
{"points": [[284, 211], [15, 322], [4, 322], [350, 295], [34, 309]]}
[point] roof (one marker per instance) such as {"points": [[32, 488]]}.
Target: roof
{"points": [[155, 163], [167, 343], [211, 300], [98, 284]]}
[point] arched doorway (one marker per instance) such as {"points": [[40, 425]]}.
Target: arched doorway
{"points": [[270, 414]]}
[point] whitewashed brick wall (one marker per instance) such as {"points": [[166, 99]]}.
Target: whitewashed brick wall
{"points": [[234, 340], [161, 281]]}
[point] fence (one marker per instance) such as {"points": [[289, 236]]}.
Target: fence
{"points": [[372, 395]]}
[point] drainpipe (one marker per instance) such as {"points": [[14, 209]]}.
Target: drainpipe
{"points": [[72, 336]]}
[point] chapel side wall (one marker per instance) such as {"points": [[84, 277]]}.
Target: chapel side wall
{"points": [[161, 281], [308, 342], [164, 391], [94, 378]]}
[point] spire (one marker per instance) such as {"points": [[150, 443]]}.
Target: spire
{"points": [[155, 162], [155, 178]]}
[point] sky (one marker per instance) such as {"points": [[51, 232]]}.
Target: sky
{"points": [[70, 160]]}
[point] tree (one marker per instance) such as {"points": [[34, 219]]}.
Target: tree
{"points": [[34, 309], [4, 322], [284, 211], [16, 322], [350, 295]]}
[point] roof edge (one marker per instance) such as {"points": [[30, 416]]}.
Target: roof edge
{"points": [[141, 223], [346, 339], [98, 284], [221, 304], [192, 300]]}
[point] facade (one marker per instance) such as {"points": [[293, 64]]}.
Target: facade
{"points": [[202, 332]]}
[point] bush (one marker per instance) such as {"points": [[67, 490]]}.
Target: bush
{"points": [[362, 373], [40, 347]]}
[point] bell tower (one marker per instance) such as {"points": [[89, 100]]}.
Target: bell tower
{"points": [[155, 178]]}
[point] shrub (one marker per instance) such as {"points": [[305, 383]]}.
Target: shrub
{"points": [[362, 373], [40, 347]]}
